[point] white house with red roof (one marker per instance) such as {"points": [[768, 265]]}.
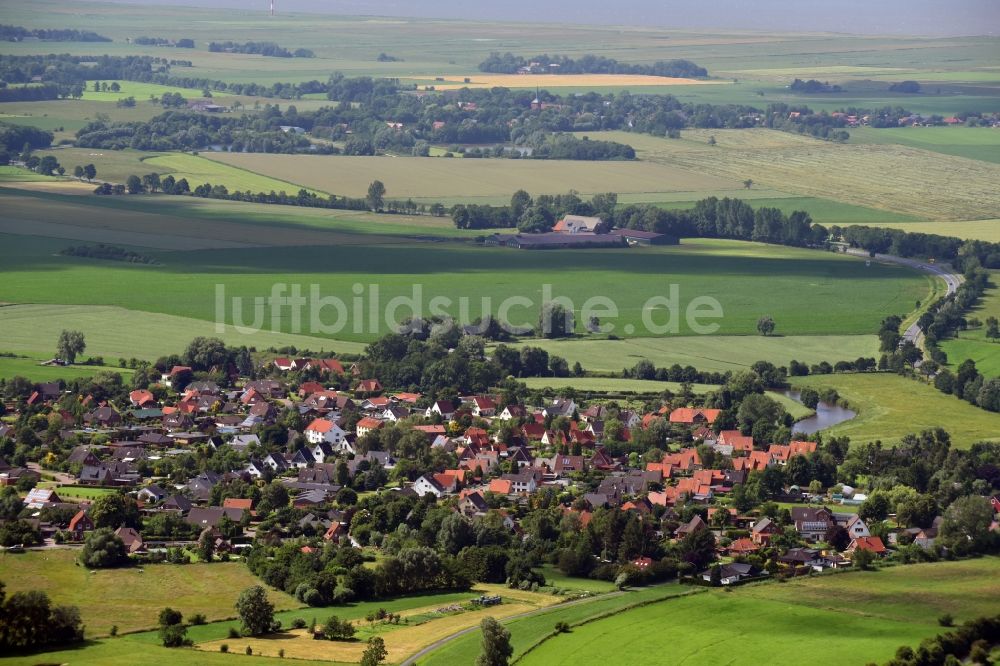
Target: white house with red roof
{"points": [[324, 430]]}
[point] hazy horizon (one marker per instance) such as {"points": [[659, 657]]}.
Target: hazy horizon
{"points": [[919, 17]]}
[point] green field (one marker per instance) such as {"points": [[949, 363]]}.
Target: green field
{"points": [[131, 598], [890, 406], [142, 91], [977, 143], [527, 632], [115, 333], [973, 342], [823, 211], [863, 613], [200, 170], [733, 273], [712, 353]]}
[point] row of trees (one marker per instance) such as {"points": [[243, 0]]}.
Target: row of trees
{"points": [[508, 63], [260, 48]]}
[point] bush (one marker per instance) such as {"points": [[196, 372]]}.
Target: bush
{"points": [[947, 620], [224, 648], [298, 623], [197, 618], [233, 633], [249, 650], [562, 627], [336, 629]]}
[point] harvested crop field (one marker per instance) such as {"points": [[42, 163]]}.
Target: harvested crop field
{"points": [[878, 176], [480, 80], [434, 178]]}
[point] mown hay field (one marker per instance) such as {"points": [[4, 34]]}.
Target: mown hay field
{"points": [[483, 80], [432, 178], [985, 230], [897, 178]]}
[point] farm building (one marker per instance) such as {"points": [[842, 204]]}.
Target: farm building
{"points": [[577, 224]]}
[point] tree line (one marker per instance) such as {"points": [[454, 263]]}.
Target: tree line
{"points": [[183, 43], [508, 63], [259, 48], [16, 33]]}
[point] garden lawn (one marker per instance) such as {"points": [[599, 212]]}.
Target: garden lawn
{"points": [[890, 406], [130, 598], [864, 614]]}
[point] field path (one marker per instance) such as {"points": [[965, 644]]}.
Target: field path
{"points": [[952, 280], [412, 659]]}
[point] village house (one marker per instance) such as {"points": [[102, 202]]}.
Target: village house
{"points": [[324, 431]]}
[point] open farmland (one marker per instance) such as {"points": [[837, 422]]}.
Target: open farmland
{"points": [[184, 223], [876, 176], [439, 178], [890, 406], [884, 610], [985, 230], [200, 170], [131, 598], [856, 296]]}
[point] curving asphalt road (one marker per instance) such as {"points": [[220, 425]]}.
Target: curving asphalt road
{"points": [[951, 280]]}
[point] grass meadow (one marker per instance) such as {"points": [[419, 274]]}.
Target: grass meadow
{"points": [[131, 598], [857, 613], [25, 365], [890, 406], [973, 343]]}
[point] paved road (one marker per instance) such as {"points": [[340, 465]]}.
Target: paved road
{"points": [[951, 280], [60, 477], [409, 661]]}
